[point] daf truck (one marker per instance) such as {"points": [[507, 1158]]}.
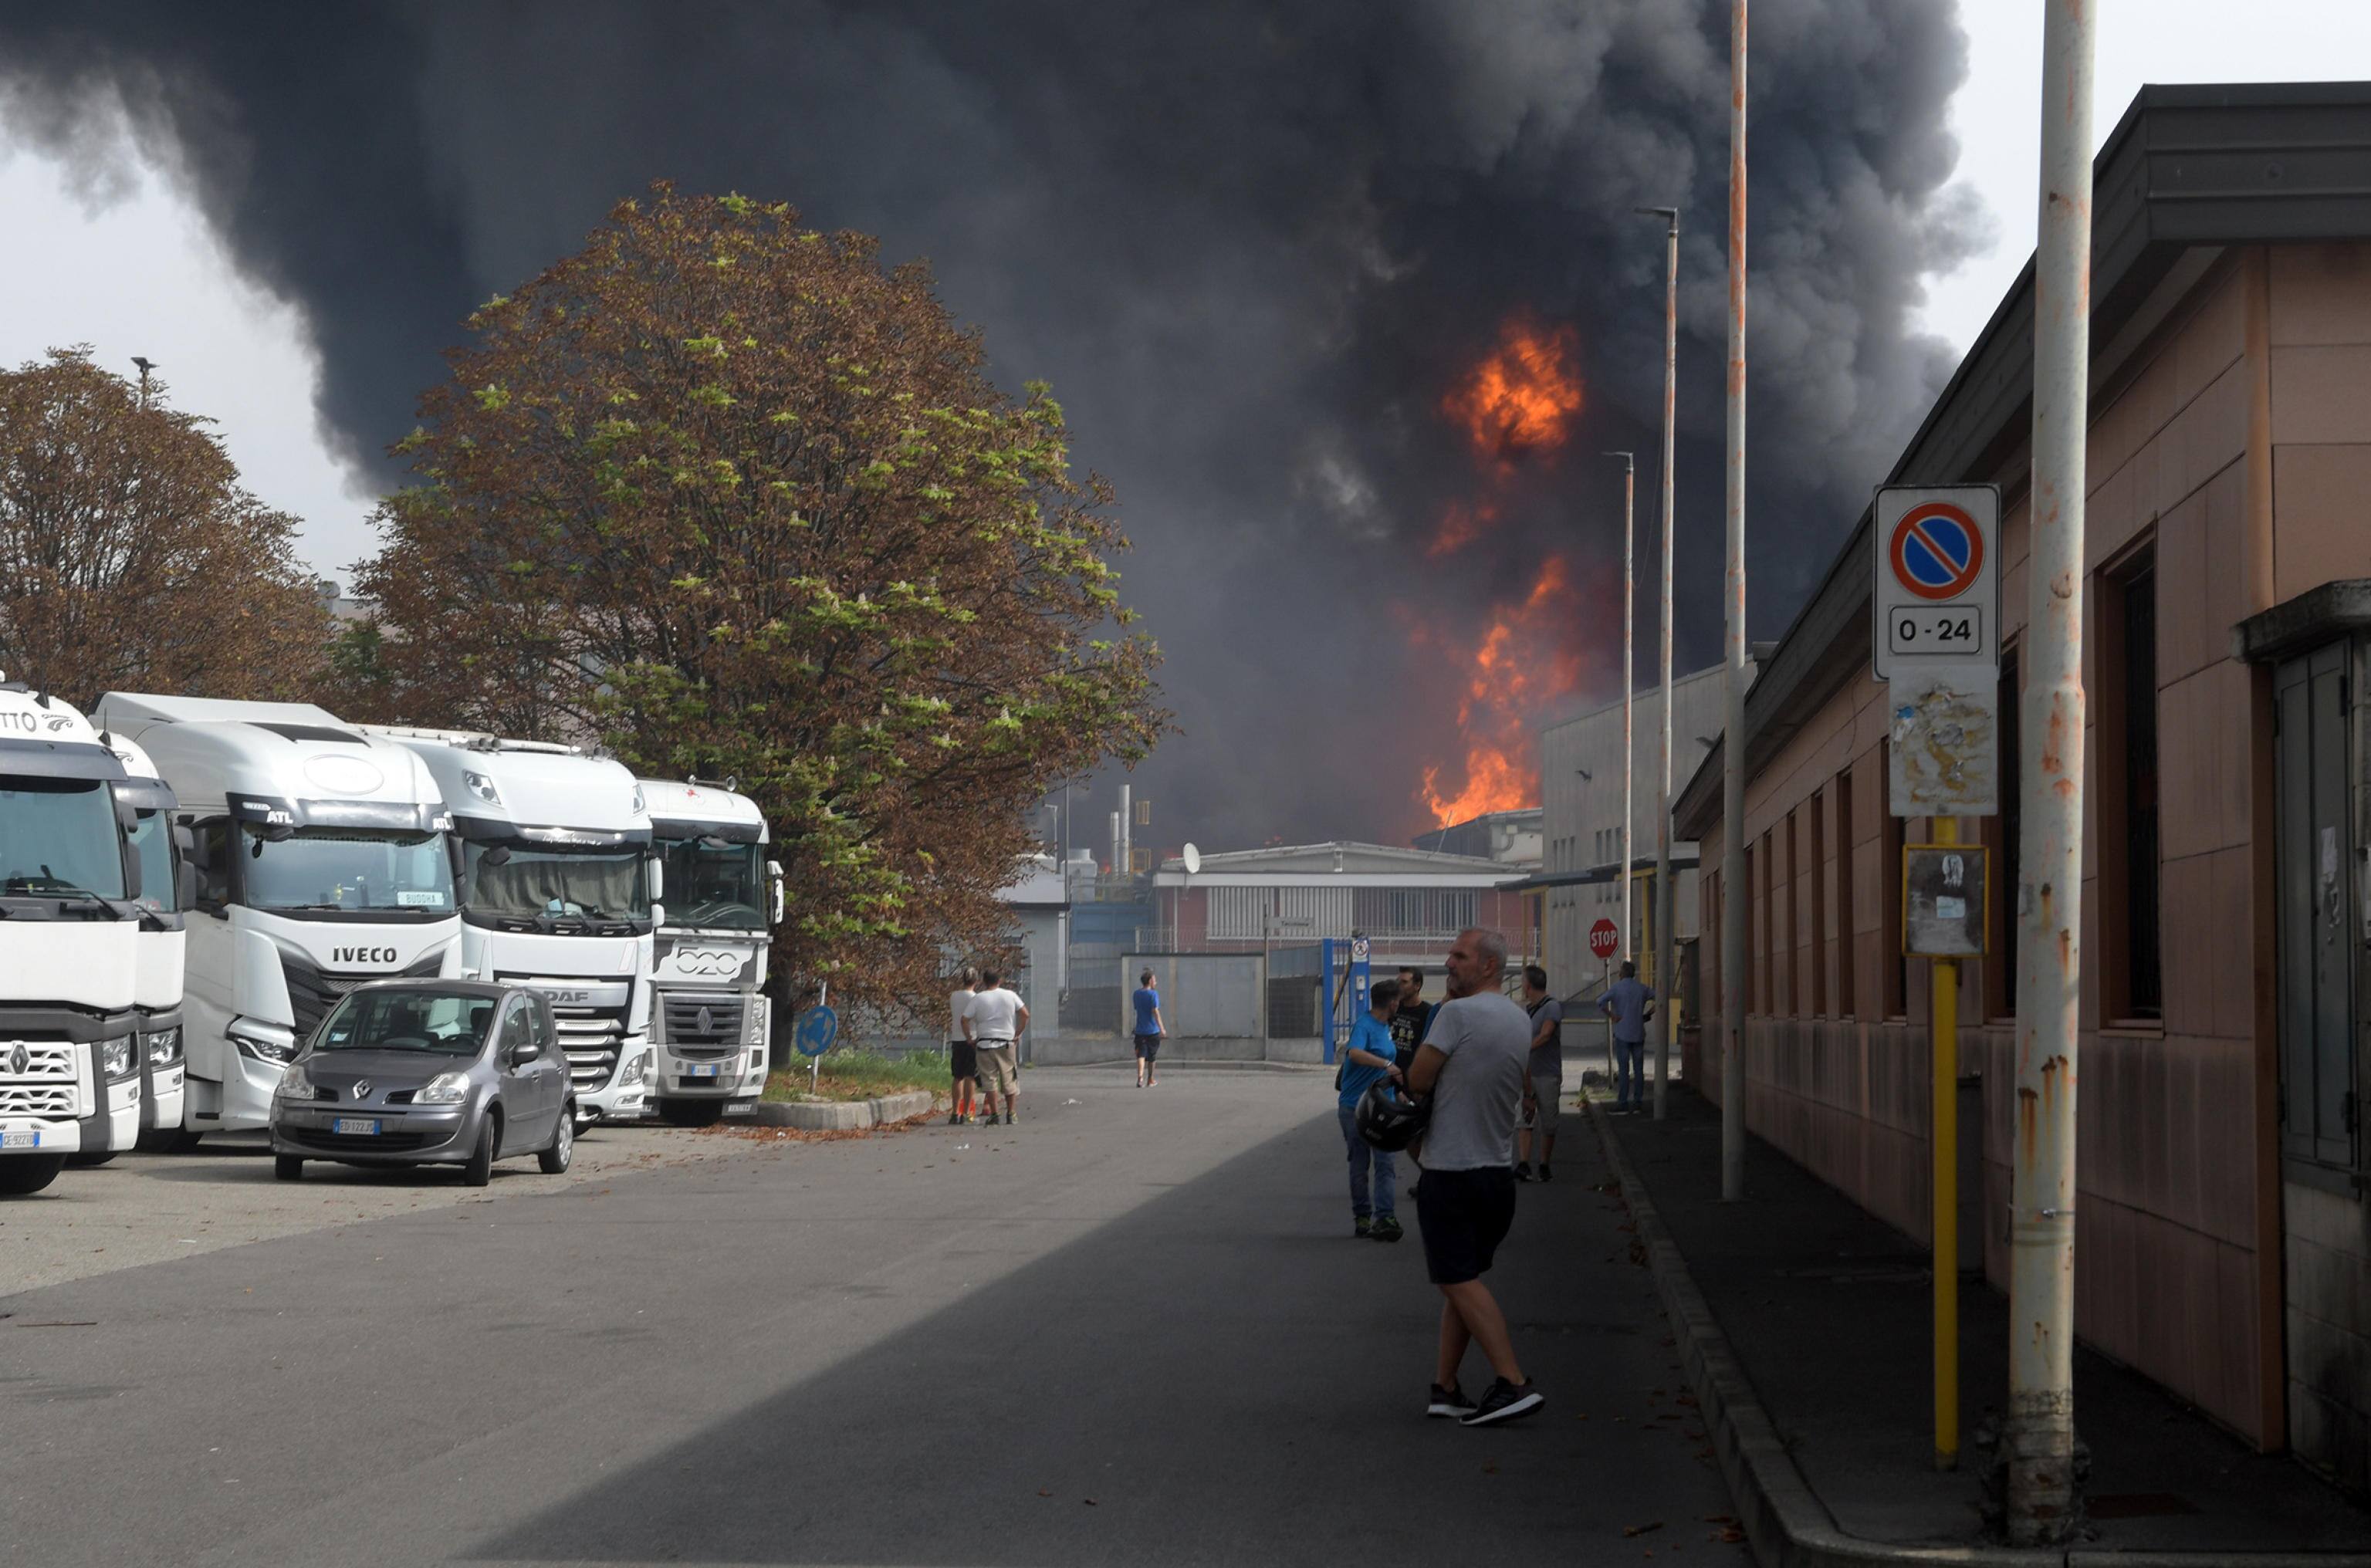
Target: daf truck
{"points": [[709, 1015], [322, 858], [557, 887], [69, 923]]}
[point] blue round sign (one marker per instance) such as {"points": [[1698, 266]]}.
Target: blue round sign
{"points": [[817, 1028], [1938, 552]]}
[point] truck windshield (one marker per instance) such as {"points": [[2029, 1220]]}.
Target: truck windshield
{"points": [[350, 869], [58, 840], [713, 884], [564, 883], [152, 842], [408, 1020]]}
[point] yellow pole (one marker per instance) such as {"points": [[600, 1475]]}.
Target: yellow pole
{"points": [[1945, 1142]]}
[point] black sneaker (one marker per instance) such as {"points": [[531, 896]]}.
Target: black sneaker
{"points": [[1505, 1402], [1546, 1175], [954, 1119], [1387, 1230], [1522, 1171], [1449, 1402], [1363, 1228]]}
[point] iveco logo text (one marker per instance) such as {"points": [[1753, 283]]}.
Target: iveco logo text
{"points": [[361, 955]]}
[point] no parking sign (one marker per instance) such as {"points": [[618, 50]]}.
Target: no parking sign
{"points": [[1937, 587]]}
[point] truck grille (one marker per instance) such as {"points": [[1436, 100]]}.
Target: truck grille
{"points": [[702, 1024], [312, 991], [22, 1100], [45, 1061]]}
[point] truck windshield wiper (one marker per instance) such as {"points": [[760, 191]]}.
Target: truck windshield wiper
{"points": [[55, 888]]}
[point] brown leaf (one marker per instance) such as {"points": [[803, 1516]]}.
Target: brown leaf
{"points": [[1641, 1530]]}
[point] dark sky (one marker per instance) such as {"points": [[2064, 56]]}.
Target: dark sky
{"points": [[1253, 249]]}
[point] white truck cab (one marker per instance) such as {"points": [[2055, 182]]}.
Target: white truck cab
{"points": [[69, 921], [322, 859], [711, 1018], [558, 888], [161, 944]]}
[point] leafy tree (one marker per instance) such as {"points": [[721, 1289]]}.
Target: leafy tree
{"points": [[130, 558], [722, 492]]}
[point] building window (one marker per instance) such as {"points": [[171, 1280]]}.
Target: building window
{"points": [[2128, 882], [1818, 891], [1847, 931], [1790, 934], [2000, 966], [1768, 903], [1891, 965]]}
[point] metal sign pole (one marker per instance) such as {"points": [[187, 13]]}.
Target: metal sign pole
{"points": [[1732, 788], [1665, 961]]}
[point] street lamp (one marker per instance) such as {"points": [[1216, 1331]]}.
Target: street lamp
{"points": [[1664, 956], [1629, 686]]}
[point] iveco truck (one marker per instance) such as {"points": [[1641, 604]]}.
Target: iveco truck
{"points": [[69, 924], [709, 1015], [322, 858], [557, 889]]}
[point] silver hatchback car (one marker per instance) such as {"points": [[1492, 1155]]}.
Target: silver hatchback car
{"points": [[428, 1072]]}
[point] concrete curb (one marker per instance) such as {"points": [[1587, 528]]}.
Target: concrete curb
{"points": [[1783, 1519], [845, 1115]]}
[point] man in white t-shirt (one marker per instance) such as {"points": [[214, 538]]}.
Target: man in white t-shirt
{"points": [[994, 1020]]}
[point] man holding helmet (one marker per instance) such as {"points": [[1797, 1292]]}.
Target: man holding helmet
{"points": [[1367, 1062], [1475, 1066]]}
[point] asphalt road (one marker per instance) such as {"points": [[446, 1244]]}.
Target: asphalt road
{"points": [[1133, 1328]]}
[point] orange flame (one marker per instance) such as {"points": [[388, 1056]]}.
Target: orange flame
{"points": [[1460, 527], [1519, 667], [1523, 397]]}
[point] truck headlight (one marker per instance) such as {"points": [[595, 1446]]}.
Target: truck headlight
{"points": [[636, 1071], [163, 1047], [294, 1085], [262, 1048], [116, 1059], [444, 1089]]}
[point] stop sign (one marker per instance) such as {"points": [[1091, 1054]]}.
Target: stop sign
{"points": [[1603, 938]]}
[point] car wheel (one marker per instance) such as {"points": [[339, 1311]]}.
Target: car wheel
{"points": [[480, 1168], [21, 1175], [88, 1159], [287, 1167], [553, 1161], [691, 1112]]}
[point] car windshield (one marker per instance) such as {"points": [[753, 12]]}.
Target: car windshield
{"points": [[152, 841], [58, 840], [709, 883], [350, 869], [563, 884], [409, 1020]]}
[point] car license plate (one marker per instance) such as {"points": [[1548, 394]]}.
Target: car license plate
{"points": [[700, 1069], [30, 1138], [354, 1127]]}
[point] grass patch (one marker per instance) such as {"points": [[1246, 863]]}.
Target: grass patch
{"points": [[858, 1075]]}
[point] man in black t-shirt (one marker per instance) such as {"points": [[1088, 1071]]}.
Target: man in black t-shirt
{"points": [[1409, 1019]]}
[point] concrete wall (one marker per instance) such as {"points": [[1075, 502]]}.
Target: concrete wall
{"points": [[2179, 1260]]}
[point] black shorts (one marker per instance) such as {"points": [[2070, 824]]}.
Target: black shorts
{"points": [[1464, 1214], [1148, 1046], [963, 1058]]}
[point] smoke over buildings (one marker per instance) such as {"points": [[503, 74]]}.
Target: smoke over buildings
{"points": [[1265, 255]]}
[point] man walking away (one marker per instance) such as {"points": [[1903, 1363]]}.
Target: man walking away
{"points": [[1368, 1061], [963, 1058], [997, 1017], [1149, 1030], [1547, 1075], [1629, 1004], [1409, 1019], [1474, 1063]]}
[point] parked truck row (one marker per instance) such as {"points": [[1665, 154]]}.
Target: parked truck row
{"points": [[189, 885]]}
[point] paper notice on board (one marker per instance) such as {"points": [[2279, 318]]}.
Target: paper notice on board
{"points": [[1943, 723]]}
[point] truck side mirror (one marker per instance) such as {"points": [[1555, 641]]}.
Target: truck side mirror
{"points": [[774, 890], [185, 885], [658, 879]]}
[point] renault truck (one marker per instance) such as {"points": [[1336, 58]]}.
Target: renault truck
{"points": [[322, 858], [557, 887], [69, 924], [709, 1015], [143, 1112]]}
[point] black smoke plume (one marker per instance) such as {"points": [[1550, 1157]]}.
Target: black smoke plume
{"points": [[1251, 246]]}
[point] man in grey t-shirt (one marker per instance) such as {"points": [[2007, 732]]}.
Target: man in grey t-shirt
{"points": [[1539, 1130], [1474, 1066]]}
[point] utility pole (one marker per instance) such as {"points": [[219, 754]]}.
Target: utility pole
{"points": [[2039, 1437], [1666, 980], [1733, 892], [1629, 686], [144, 365]]}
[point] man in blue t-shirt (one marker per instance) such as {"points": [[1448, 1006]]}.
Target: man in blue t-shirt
{"points": [[1629, 1002], [1367, 1060], [1149, 1030]]}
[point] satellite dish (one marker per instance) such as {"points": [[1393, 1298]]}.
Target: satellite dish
{"points": [[1192, 858]]}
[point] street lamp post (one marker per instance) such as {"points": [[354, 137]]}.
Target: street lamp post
{"points": [[1666, 963], [1629, 687], [1733, 892]]}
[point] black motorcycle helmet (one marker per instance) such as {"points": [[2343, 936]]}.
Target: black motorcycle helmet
{"points": [[1387, 1121]]}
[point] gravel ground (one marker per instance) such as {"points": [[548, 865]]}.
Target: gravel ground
{"points": [[143, 1208]]}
